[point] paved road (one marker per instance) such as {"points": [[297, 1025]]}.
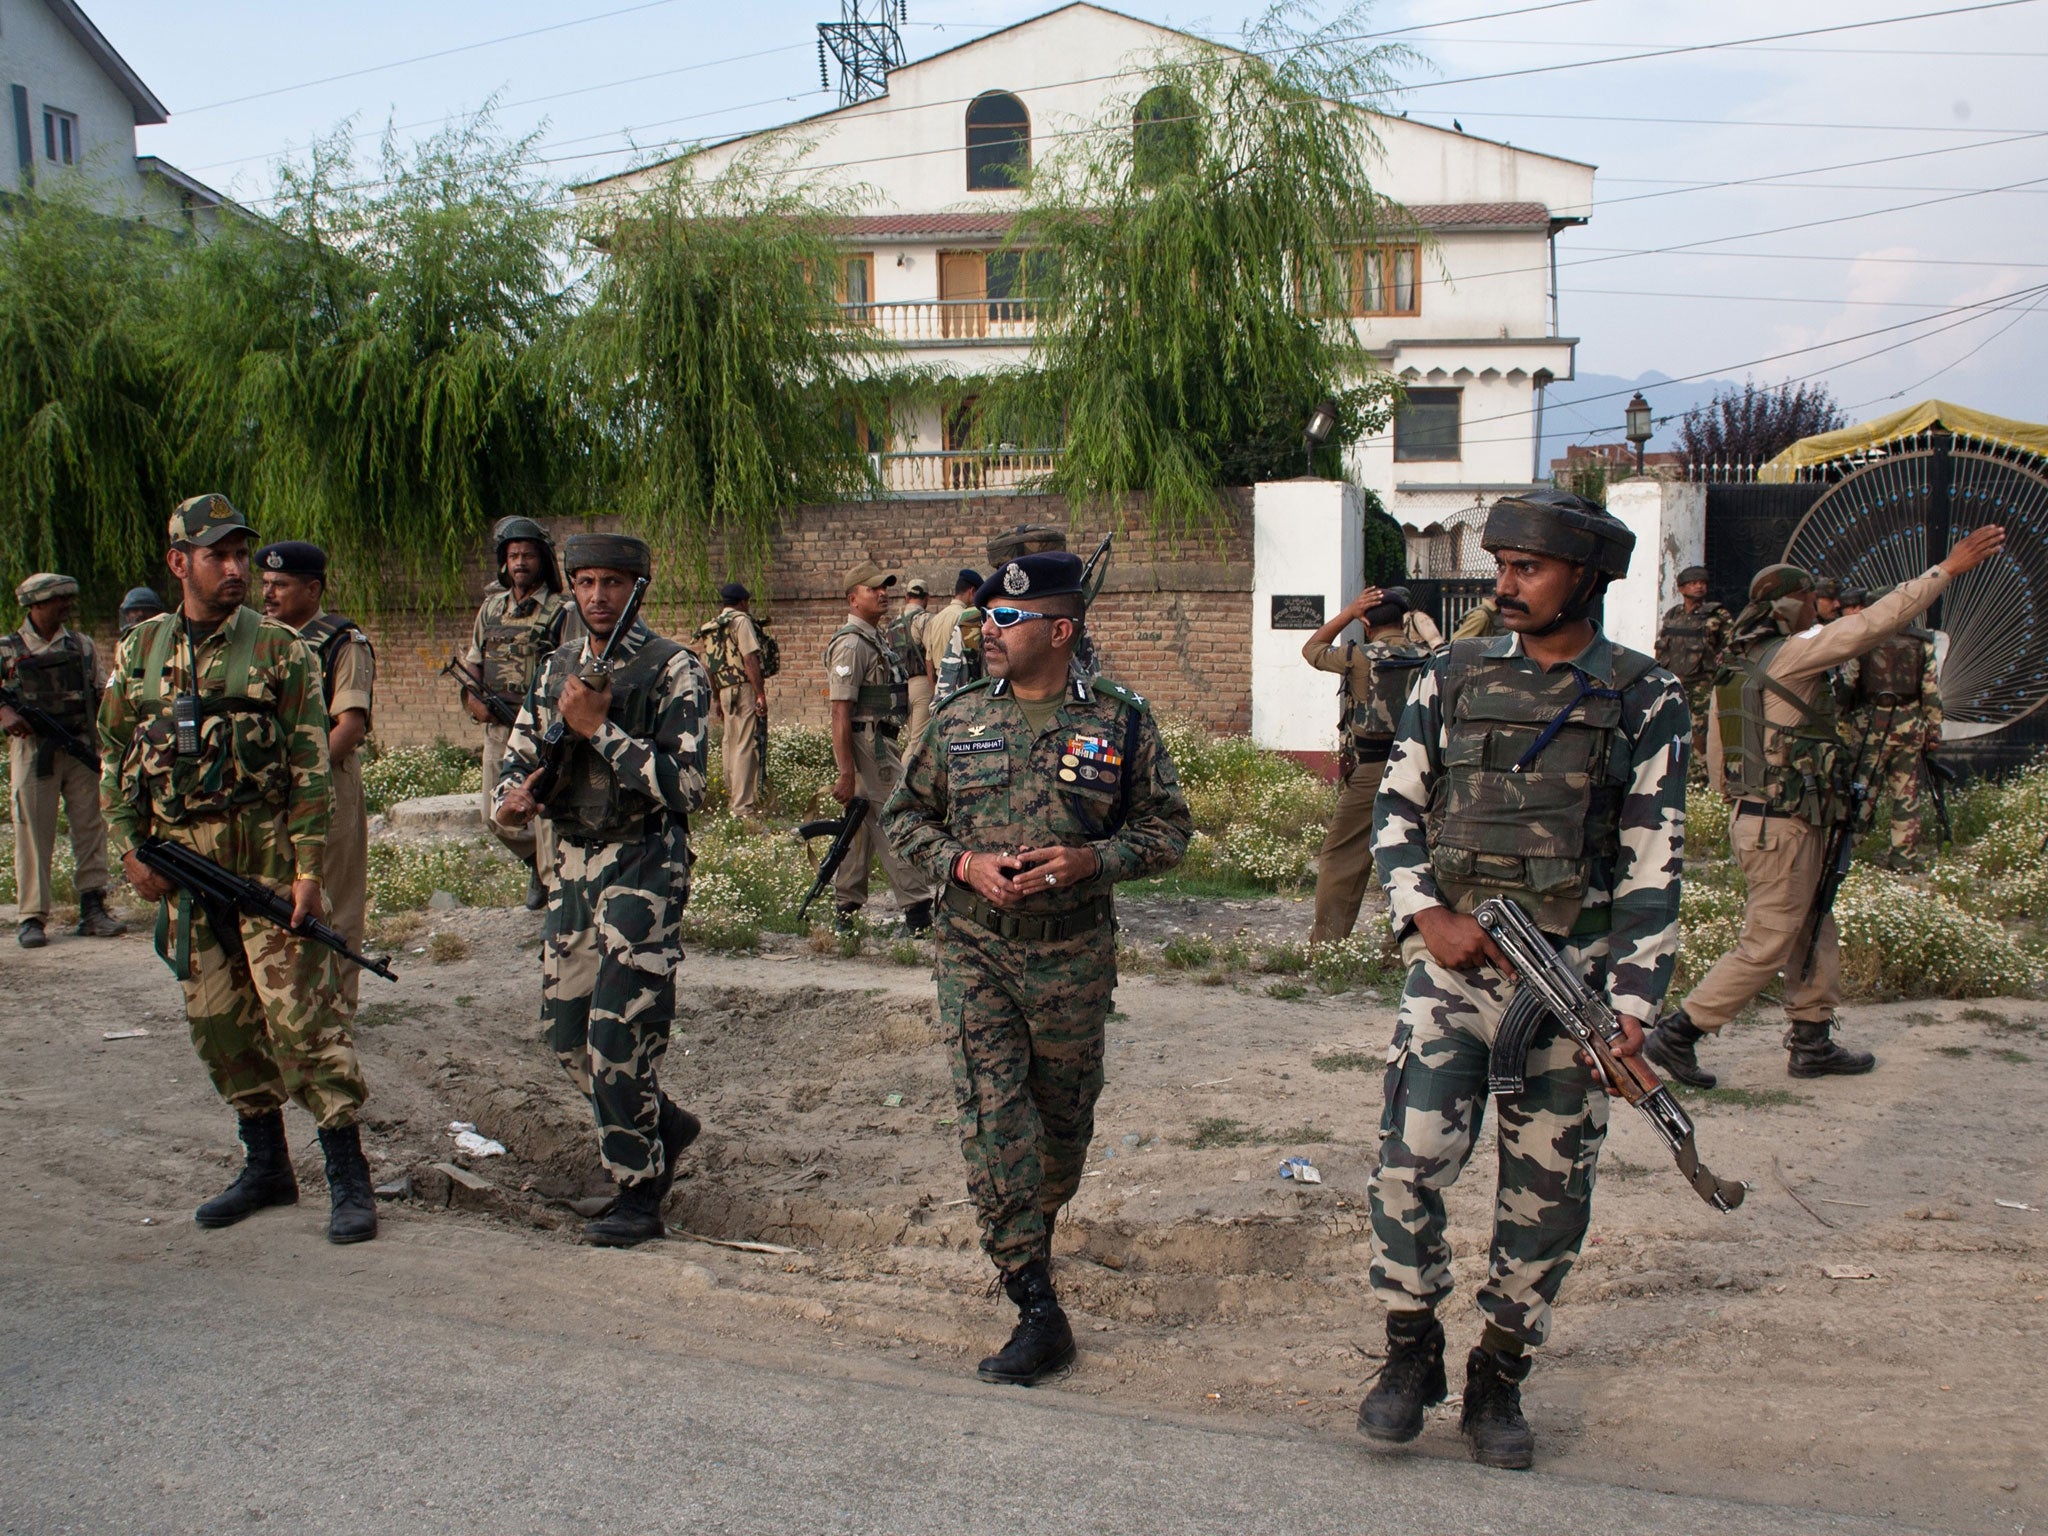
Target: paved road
{"points": [[259, 1380]]}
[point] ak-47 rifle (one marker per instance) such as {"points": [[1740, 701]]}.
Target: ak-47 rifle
{"points": [[1091, 581], [501, 709], [842, 830], [226, 897], [558, 741], [1547, 984], [52, 731], [1939, 777], [1839, 853]]}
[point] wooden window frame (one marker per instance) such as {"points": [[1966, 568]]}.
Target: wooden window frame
{"points": [[1386, 260]]}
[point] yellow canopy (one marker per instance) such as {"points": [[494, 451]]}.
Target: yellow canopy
{"points": [[1914, 418]]}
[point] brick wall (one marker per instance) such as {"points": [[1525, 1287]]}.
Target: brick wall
{"points": [[1175, 624]]}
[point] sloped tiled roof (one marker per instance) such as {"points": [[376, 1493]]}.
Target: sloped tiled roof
{"points": [[994, 224]]}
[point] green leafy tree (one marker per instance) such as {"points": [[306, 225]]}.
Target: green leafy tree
{"points": [[84, 461], [730, 382], [1191, 315], [376, 370]]}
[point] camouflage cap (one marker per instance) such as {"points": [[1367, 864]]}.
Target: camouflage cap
{"points": [[1827, 586], [1776, 581], [1560, 524], [607, 552], [207, 519], [1691, 574], [1025, 539], [42, 587]]}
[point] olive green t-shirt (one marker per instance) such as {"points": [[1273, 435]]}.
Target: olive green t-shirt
{"points": [[1040, 711]]}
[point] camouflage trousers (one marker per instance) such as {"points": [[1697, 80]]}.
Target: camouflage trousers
{"points": [[265, 1022], [1549, 1137], [1024, 1032], [610, 946], [1699, 697]]}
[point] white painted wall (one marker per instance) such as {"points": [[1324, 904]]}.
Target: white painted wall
{"points": [[1308, 536], [38, 52], [1669, 521]]}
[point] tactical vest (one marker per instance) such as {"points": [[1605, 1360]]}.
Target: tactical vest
{"points": [[877, 701], [721, 653], [1372, 715], [243, 757], [592, 803], [1512, 814], [513, 649], [1794, 769], [57, 680], [1682, 645], [1890, 674], [327, 635], [906, 639]]}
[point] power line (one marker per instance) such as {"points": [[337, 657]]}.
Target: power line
{"points": [[1709, 122], [1833, 51], [1921, 383], [1753, 298]]}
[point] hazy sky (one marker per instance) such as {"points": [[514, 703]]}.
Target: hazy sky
{"points": [[1940, 104]]}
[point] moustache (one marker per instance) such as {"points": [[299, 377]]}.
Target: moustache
{"points": [[1511, 605]]}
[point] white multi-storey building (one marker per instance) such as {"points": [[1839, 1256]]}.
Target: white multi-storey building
{"points": [[73, 107], [1466, 316]]}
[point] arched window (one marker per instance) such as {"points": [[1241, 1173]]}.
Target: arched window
{"points": [[998, 142], [1162, 136]]}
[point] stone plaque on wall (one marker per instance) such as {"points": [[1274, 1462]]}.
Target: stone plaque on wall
{"points": [[1298, 610]]}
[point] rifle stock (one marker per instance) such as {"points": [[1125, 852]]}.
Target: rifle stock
{"points": [[226, 895], [843, 830]]}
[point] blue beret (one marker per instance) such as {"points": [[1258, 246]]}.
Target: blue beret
{"points": [[968, 577], [293, 557], [1054, 573]]}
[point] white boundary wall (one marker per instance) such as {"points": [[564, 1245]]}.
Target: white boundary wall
{"points": [[1308, 539]]}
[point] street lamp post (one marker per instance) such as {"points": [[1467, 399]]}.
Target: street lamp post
{"points": [[1637, 415], [1322, 421]]}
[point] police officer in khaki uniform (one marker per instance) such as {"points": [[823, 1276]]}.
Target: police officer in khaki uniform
{"points": [[1377, 673], [870, 702], [731, 647], [517, 626], [938, 630], [294, 576], [50, 667]]}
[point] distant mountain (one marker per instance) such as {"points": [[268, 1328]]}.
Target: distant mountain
{"points": [[1588, 409]]}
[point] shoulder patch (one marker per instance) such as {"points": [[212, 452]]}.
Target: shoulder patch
{"points": [[1118, 691], [979, 685]]}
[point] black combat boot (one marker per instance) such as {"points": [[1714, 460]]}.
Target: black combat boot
{"points": [[844, 918], [1042, 1342], [635, 1217], [678, 1129], [1411, 1381], [352, 1203], [94, 920], [1492, 1420], [536, 888], [1673, 1046], [30, 934], [266, 1178], [1815, 1055], [917, 919]]}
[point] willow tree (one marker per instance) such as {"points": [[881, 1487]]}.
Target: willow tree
{"points": [[83, 458], [1192, 274], [731, 382], [373, 368]]}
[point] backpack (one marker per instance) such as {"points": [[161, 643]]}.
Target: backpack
{"points": [[722, 656]]}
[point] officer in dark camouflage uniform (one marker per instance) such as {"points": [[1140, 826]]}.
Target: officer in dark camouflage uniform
{"points": [[1690, 638], [1546, 765], [1027, 798], [1894, 717], [254, 797], [634, 772]]}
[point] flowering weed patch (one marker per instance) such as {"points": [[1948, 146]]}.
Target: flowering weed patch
{"points": [[409, 773]]}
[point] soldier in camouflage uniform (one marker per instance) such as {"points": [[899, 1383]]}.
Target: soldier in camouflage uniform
{"points": [[54, 668], [523, 619], [1690, 638], [1894, 715], [731, 648], [1827, 599], [1027, 798], [1546, 765], [253, 797], [1377, 674], [1778, 758], [906, 637], [632, 774], [870, 700], [294, 575]]}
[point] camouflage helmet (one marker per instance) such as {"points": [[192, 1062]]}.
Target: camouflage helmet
{"points": [[1776, 581], [1025, 539], [513, 529], [1827, 586], [1560, 524], [1691, 574]]}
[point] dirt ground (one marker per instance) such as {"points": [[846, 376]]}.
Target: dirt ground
{"points": [[1694, 1352]]}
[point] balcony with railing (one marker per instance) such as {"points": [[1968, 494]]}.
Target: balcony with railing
{"points": [[975, 470], [948, 322]]}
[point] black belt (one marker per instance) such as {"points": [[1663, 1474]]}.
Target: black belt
{"points": [[1365, 751], [650, 825], [1017, 925], [885, 728], [1758, 808]]}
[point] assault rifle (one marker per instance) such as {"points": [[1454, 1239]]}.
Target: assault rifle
{"points": [[1548, 986], [1837, 855], [1091, 583], [51, 730], [501, 709], [558, 741], [842, 830], [1939, 777], [226, 897]]}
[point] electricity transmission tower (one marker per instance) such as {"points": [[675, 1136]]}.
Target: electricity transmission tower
{"points": [[867, 45]]}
